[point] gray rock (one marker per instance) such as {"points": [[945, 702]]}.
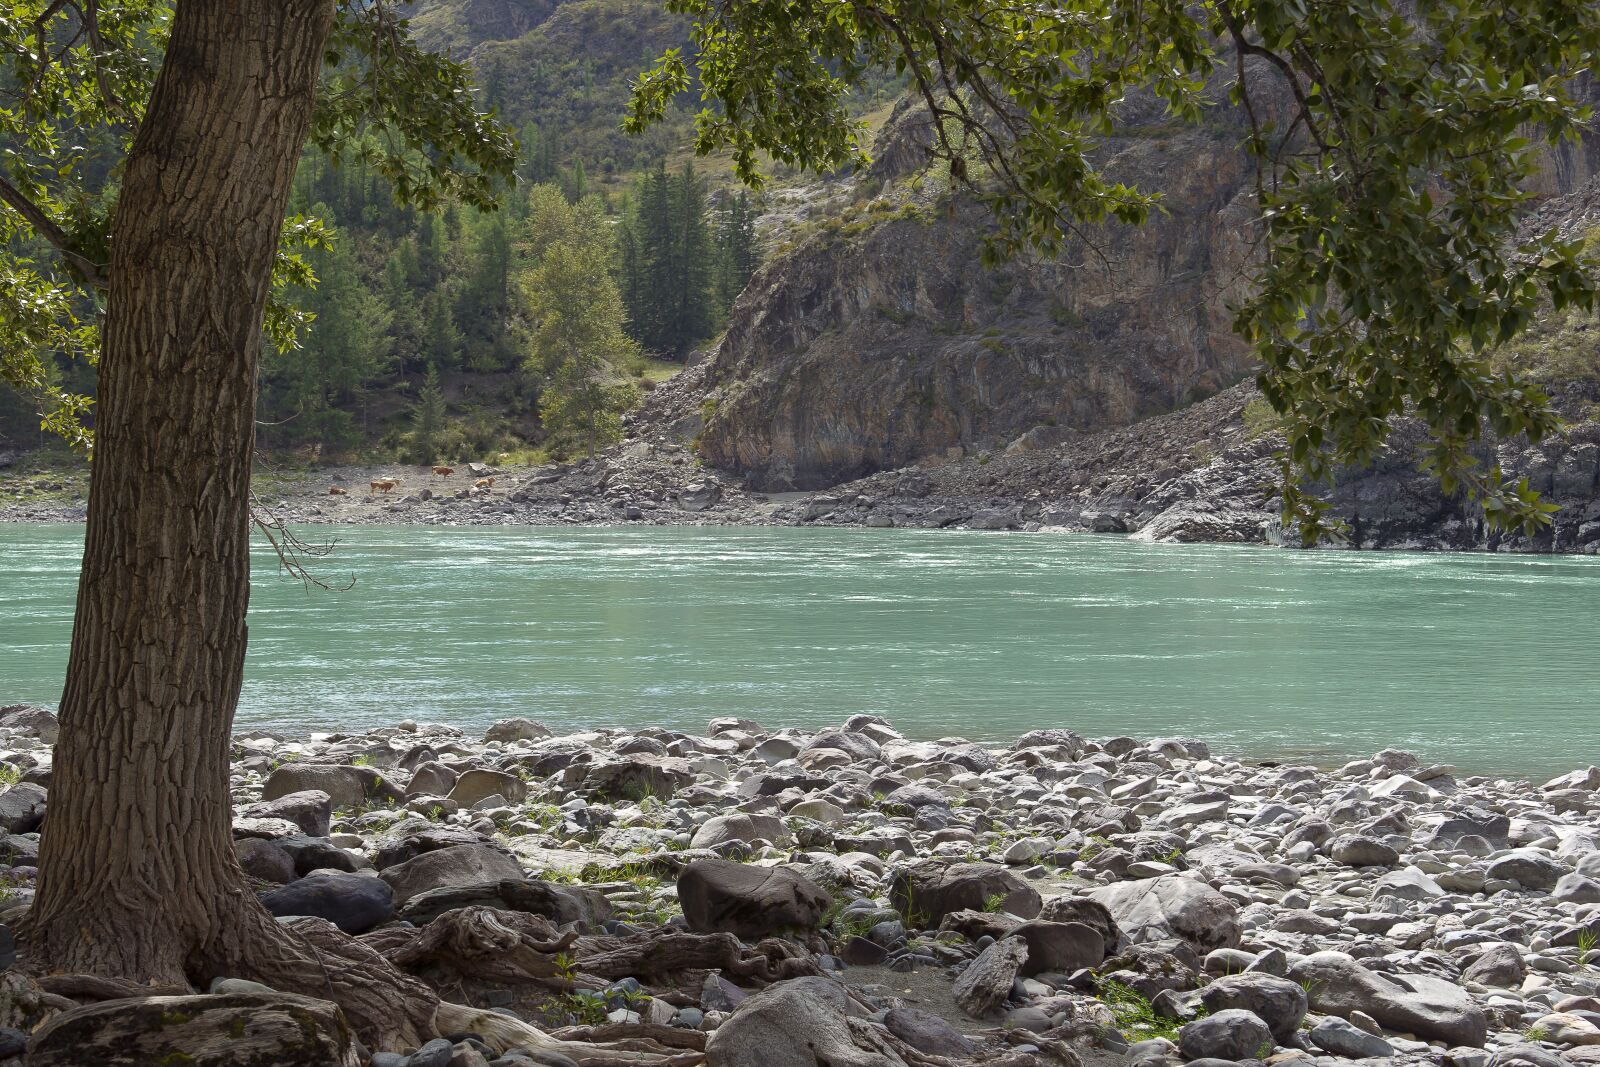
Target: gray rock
{"points": [[1575, 888], [752, 902], [508, 730], [1171, 906], [721, 829], [1341, 1038], [431, 779], [32, 720], [1529, 869], [480, 783], [347, 786], [459, 865], [1498, 965], [1359, 850], [1278, 1002], [803, 1022], [928, 1033], [927, 891], [1421, 1004], [1060, 947], [309, 809], [355, 903], [22, 808], [1232, 1034], [262, 859]]}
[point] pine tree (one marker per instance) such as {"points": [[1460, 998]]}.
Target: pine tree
{"points": [[695, 263], [736, 250], [441, 341], [427, 418]]}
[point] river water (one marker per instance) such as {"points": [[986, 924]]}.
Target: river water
{"points": [[1491, 663]]}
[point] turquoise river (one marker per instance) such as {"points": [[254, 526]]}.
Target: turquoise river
{"points": [[1491, 663]]}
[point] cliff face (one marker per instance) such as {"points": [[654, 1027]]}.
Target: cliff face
{"points": [[879, 339]]}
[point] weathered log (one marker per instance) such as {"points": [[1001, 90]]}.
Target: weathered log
{"points": [[640, 1035], [501, 1032], [985, 985], [95, 987]]}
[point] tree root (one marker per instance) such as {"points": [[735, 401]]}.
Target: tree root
{"points": [[97, 987], [501, 1033]]}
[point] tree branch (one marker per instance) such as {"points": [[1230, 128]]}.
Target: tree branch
{"points": [[91, 272]]}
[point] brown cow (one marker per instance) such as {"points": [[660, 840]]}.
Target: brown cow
{"points": [[383, 484], [444, 472], [483, 483], [334, 490]]}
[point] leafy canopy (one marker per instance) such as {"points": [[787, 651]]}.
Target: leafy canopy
{"points": [[1394, 143], [74, 79]]}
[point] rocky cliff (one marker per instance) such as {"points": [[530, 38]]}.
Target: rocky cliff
{"points": [[877, 338]]}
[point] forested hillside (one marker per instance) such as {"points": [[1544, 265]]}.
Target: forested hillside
{"points": [[421, 347]]}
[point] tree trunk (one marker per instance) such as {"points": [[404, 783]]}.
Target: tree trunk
{"points": [[137, 872]]}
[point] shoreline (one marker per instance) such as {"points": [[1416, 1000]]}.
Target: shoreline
{"points": [[1053, 900]]}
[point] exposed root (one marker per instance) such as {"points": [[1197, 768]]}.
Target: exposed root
{"points": [[482, 943], [98, 987], [501, 1033]]}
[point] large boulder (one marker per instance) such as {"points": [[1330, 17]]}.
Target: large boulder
{"points": [[1231, 1035], [1429, 1007], [1091, 913], [481, 783], [32, 720], [1060, 947], [804, 1022], [347, 786], [1278, 1002], [22, 808], [413, 837], [459, 865], [928, 1033], [926, 892], [721, 829], [752, 902], [309, 809], [633, 778], [355, 903], [223, 1030], [260, 858], [1171, 906], [857, 746], [507, 730]]}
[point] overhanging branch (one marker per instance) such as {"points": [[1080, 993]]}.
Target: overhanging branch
{"points": [[94, 274]]}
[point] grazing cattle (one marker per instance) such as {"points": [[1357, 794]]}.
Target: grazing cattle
{"points": [[384, 485], [334, 490], [483, 483], [444, 472]]}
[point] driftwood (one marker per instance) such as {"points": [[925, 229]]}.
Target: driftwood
{"points": [[985, 985], [502, 1032], [94, 987], [652, 1034]]}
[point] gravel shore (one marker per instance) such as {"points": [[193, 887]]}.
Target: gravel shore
{"points": [[1058, 900]]}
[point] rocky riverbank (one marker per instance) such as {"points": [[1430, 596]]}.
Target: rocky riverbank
{"points": [[767, 898]]}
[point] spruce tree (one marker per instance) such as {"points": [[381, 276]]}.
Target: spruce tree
{"points": [[427, 418], [695, 264], [737, 256]]}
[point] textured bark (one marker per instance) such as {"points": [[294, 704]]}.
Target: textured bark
{"points": [[137, 872]]}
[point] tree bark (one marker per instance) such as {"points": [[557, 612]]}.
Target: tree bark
{"points": [[137, 872]]}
